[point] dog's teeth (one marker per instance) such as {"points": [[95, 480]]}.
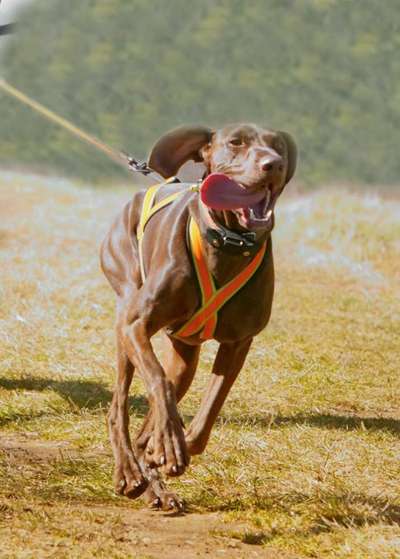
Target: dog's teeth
{"points": [[255, 218]]}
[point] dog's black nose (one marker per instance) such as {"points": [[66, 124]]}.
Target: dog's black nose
{"points": [[271, 163]]}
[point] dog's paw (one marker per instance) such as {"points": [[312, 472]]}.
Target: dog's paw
{"points": [[128, 478], [167, 448], [159, 498]]}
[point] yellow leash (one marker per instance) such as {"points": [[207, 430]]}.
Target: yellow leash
{"points": [[118, 157]]}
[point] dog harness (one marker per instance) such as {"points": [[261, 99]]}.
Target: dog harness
{"points": [[212, 298]]}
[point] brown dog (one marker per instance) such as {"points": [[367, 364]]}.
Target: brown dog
{"points": [[256, 158]]}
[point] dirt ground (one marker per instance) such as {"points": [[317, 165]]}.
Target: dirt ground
{"points": [[149, 534]]}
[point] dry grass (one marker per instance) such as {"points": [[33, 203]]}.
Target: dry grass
{"points": [[307, 450]]}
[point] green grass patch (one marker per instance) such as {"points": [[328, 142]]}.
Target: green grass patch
{"points": [[305, 457]]}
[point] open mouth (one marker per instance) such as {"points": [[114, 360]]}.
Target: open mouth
{"points": [[259, 215], [253, 209]]}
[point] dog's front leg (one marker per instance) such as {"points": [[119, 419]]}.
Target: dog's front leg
{"points": [[179, 362], [228, 363], [169, 446]]}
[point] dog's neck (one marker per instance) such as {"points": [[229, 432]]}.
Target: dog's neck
{"points": [[223, 265]]}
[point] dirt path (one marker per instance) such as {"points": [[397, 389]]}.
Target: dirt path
{"points": [[189, 536], [146, 533]]}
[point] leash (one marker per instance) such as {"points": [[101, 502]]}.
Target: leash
{"points": [[221, 237], [119, 157]]}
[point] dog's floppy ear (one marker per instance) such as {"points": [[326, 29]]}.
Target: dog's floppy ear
{"points": [[291, 154], [176, 147]]}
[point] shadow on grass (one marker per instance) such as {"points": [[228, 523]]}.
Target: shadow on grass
{"points": [[321, 420], [329, 511], [19, 417], [84, 394]]}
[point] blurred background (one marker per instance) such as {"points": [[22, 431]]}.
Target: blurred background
{"points": [[304, 459], [325, 70]]}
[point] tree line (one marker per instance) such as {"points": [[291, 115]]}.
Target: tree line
{"points": [[325, 70]]}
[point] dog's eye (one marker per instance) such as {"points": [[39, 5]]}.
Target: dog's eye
{"points": [[236, 142]]}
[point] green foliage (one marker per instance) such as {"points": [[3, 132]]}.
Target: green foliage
{"points": [[325, 70]]}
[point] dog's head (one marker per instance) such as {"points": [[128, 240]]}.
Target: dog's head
{"points": [[257, 159]]}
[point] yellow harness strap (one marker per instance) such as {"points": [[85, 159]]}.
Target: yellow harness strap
{"points": [[212, 299], [148, 210]]}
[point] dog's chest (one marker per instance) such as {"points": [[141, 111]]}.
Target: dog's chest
{"points": [[242, 316]]}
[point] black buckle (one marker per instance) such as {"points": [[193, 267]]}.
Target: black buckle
{"points": [[231, 241]]}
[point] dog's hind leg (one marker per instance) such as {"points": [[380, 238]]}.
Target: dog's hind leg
{"points": [[179, 362], [128, 477], [228, 363]]}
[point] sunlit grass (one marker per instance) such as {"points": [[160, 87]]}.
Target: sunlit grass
{"points": [[306, 451]]}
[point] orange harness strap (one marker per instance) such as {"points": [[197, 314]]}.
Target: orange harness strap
{"points": [[205, 319], [205, 279], [212, 299]]}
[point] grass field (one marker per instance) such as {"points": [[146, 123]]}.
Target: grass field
{"points": [[305, 458]]}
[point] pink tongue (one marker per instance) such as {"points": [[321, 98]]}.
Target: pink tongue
{"points": [[222, 193]]}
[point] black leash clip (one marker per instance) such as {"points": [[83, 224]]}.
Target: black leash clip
{"points": [[137, 166]]}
